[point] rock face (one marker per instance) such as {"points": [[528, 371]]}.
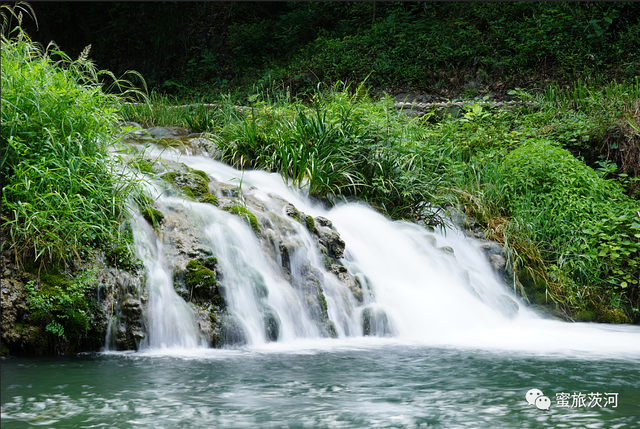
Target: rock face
{"points": [[107, 296], [496, 255], [121, 305], [18, 334]]}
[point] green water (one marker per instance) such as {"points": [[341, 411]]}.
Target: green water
{"points": [[375, 385]]}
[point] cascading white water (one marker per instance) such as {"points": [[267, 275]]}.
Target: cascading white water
{"points": [[170, 321], [414, 290]]}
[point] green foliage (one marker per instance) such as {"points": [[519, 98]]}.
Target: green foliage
{"points": [[586, 223], [62, 195], [121, 257], [342, 144], [61, 304], [426, 46]]}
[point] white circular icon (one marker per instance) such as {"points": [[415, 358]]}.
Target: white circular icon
{"points": [[543, 403], [532, 395]]}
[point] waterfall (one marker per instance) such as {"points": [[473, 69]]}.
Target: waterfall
{"points": [[287, 283]]}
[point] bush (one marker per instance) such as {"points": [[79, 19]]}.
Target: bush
{"points": [[585, 224], [62, 195]]}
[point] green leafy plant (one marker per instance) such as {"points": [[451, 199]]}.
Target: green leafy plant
{"points": [[61, 304]]}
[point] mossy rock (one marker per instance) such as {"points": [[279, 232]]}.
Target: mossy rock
{"points": [[271, 324], [153, 216], [246, 214], [142, 165], [375, 322], [612, 315], [231, 332], [193, 185], [586, 316], [209, 198], [200, 282], [322, 301]]}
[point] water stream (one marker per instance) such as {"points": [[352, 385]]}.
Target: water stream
{"points": [[422, 292], [431, 337]]}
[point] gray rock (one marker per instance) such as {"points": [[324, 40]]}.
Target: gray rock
{"points": [[375, 322], [158, 132], [323, 221], [352, 282], [497, 262], [447, 249], [331, 241]]}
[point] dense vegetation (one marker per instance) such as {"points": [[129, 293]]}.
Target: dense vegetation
{"points": [[63, 199], [572, 229], [554, 177], [187, 48]]}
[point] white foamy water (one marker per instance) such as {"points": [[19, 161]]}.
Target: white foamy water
{"points": [[429, 296]]}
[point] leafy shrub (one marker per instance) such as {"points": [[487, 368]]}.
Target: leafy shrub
{"points": [[587, 227], [61, 195], [62, 305]]}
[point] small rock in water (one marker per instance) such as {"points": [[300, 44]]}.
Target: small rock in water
{"points": [[446, 249]]}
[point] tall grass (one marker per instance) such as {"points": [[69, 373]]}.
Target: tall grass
{"points": [[338, 144], [61, 195]]}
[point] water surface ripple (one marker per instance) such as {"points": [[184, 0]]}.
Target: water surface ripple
{"points": [[375, 385]]}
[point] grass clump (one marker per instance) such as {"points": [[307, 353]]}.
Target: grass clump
{"points": [[62, 196], [340, 145]]}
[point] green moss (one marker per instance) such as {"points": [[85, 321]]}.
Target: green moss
{"points": [[246, 214], [194, 265], [201, 282], [198, 276], [323, 303], [202, 174], [586, 316], [143, 165], [209, 198], [612, 316], [311, 224], [55, 280], [153, 216], [211, 263]]}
